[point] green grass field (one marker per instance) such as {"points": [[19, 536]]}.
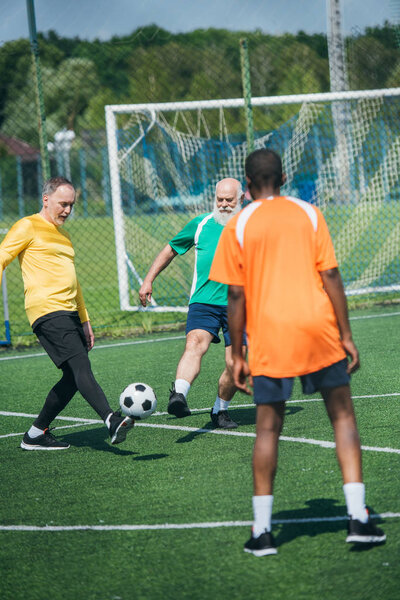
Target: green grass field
{"points": [[165, 515]]}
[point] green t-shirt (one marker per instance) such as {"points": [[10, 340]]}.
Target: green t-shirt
{"points": [[202, 232]]}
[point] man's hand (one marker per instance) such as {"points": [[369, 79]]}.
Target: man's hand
{"points": [[145, 292], [89, 335], [241, 375], [352, 352], [161, 261]]}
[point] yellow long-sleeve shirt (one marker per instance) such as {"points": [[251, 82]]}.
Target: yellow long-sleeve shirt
{"points": [[46, 257]]}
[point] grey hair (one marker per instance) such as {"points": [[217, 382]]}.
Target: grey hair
{"points": [[239, 190], [52, 184]]}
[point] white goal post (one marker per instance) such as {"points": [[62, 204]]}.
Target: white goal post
{"points": [[341, 151]]}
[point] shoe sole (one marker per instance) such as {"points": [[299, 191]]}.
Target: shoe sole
{"points": [[263, 552], [122, 431], [179, 410], [365, 539], [32, 447]]}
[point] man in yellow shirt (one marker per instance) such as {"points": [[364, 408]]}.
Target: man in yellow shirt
{"points": [[56, 311]]}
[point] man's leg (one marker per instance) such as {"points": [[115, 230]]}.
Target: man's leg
{"points": [[38, 436], [226, 391], [269, 425], [57, 399], [87, 385], [197, 343], [340, 410]]}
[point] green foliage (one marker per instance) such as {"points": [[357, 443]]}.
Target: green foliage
{"points": [[370, 63], [153, 65]]}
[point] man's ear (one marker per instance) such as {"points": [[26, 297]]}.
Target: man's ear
{"points": [[284, 178]]}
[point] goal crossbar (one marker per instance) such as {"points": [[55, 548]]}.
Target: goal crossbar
{"points": [[255, 101], [143, 164]]}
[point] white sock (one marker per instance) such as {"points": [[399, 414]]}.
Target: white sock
{"points": [[220, 404], [107, 420], [182, 386], [34, 432], [262, 510], [354, 494]]}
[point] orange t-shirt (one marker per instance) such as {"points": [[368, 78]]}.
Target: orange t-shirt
{"points": [[275, 248]]}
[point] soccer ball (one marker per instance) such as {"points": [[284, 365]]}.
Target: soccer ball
{"points": [[138, 400]]}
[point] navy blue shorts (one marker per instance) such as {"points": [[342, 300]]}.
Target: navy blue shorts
{"points": [[61, 335], [270, 389], [211, 318]]}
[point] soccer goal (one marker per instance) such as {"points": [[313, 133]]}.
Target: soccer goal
{"points": [[341, 151]]}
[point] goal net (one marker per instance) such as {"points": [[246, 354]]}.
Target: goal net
{"points": [[341, 152]]}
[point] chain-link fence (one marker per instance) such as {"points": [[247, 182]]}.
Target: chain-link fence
{"points": [[150, 66]]}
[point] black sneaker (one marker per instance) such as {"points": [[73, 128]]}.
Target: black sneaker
{"points": [[364, 533], [46, 441], [262, 545], [119, 427], [177, 404], [222, 419]]}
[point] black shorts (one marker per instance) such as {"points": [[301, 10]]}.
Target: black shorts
{"points": [[268, 390], [61, 335]]}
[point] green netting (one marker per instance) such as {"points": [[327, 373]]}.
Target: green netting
{"points": [[343, 156]]}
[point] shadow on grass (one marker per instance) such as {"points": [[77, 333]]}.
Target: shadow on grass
{"points": [[247, 416], [241, 416], [151, 457], [318, 509], [96, 439]]}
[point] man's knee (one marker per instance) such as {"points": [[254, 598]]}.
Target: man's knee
{"points": [[198, 341], [338, 402]]}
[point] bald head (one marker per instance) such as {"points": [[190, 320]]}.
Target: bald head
{"points": [[228, 199]]}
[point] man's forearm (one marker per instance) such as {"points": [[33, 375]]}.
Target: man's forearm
{"points": [[161, 261], [236, 317], [334, 288]]}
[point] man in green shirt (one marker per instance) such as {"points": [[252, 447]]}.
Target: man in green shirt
{"points": [[207, 305]]}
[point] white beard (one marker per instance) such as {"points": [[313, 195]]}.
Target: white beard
{"points": [[222, 217]]}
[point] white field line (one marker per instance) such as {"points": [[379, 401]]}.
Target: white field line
{"points": [[393, 314], [248, 434], [298, 401], [177, 337], [164, 526], [101, 347]]}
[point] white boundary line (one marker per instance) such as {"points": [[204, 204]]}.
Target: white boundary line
{"points": [[177, 337], [165, 526], [248, 434], [101, 347], [374, 316]]}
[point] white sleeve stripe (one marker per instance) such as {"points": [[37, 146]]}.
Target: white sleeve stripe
{"points": [[196, 239], [242, 220], [308, 208]]}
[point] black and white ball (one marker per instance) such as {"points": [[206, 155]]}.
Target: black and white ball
{"points": [[138, 401]]}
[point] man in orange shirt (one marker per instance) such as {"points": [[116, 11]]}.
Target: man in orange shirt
{"points": [[278, 259]]}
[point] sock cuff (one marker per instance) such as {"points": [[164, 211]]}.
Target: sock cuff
{"points": [[182, 386], [356, 485]]}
